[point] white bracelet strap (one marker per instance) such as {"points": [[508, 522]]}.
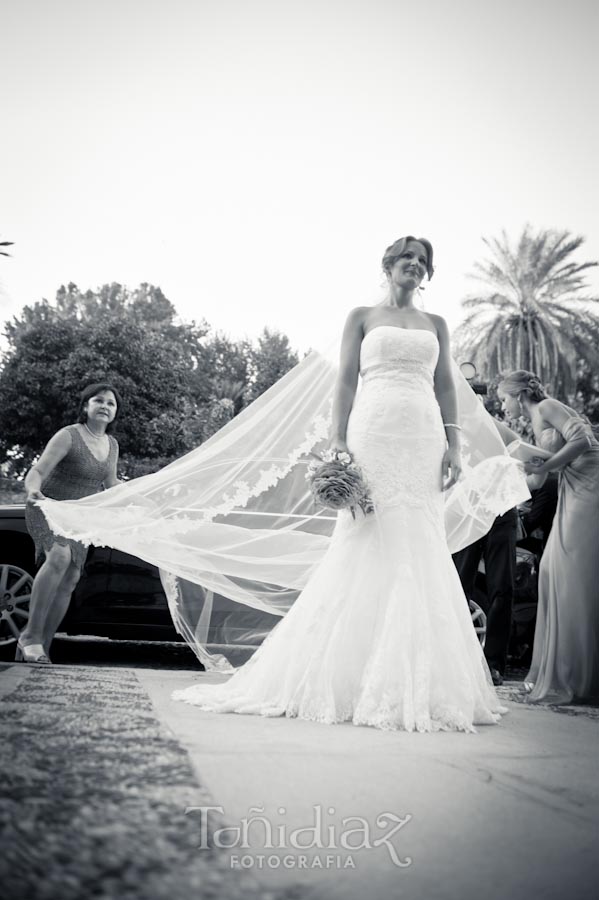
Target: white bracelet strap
{"points": [[451, 425]]}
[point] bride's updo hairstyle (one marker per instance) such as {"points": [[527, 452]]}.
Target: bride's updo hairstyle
{"points": [[523, 382], [392, 254]]}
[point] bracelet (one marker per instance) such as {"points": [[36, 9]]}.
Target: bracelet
{"points": [[451, 425]]}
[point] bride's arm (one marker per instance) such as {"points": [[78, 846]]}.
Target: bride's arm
{"points": [[347, 377], [445, 393]]}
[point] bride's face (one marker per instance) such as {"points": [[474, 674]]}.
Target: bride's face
{"points": [[410, 268]]}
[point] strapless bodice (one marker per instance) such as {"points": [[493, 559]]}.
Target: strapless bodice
{"points": [[551, 440], [388, 350]]}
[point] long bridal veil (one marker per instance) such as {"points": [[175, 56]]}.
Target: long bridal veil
{"points": [[232, 526]]}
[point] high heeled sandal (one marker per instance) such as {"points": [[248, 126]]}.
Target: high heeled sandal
{"points": [[32, 653]]}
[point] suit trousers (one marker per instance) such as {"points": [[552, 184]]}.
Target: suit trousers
{"points": [[498, 549]]}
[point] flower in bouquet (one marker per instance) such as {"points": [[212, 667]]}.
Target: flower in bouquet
{"points": [[336, 483]]}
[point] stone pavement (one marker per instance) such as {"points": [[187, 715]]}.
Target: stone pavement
{"points": [[102, 765], [94, 795], [512, 811]]}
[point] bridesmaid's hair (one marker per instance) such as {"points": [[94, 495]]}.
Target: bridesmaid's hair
{"points": [[392, 254], [523, 382], [90, 391]]}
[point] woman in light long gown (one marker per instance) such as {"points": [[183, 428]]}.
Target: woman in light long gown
{"points": [[565, 659], [381, 634]]}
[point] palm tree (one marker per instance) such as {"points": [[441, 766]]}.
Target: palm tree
{"points": [[231, 390], [533, 313]]}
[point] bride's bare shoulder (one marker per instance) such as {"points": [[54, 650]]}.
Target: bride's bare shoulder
{"points": [[440, 326], [360, 312], [438, 321], [357, 317]]}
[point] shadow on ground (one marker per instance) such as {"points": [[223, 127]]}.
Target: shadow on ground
{"points": [[98, 651]]}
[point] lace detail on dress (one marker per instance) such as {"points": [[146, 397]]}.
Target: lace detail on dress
{"points": [[403, 371], [395, 428]]}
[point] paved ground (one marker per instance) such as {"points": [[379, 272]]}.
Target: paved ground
{"points": [[94, 795], [509, 812]]}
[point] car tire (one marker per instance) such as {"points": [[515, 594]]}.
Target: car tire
{"points": [[479, 620], [16, 582]]}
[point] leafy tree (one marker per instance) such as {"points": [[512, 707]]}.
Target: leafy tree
{"points": [[223, 371], [270, 360], [128, 338], [532, 311], [586, 398], [180, 382]]}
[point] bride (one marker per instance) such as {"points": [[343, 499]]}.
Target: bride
{"points": [[381, 634], [370, 621]]}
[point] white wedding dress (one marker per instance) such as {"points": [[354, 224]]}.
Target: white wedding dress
{"points": [[381, 634]]}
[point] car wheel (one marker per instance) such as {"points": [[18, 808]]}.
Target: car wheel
{"points": [[15, 594], [479, 620]]}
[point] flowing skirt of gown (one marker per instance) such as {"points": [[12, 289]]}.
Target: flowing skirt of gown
{"points": [[381, 635], [565, 660]]}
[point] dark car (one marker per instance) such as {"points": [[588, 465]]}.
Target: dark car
{"points": [[118, 596], [121, 596]]}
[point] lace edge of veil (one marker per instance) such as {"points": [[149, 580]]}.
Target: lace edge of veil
{"points": [[242, 493], [61, 531]]}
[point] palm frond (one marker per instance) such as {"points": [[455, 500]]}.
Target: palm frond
{"points": [[491, 302], [536, 311]]}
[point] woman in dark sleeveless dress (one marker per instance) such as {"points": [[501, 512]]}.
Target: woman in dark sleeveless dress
{"points": [[78, 460], [565, 659]]}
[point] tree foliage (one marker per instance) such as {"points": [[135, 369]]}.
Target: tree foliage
{"points": [[532, 310], [586, 397], [180, 381], [269, 361]]}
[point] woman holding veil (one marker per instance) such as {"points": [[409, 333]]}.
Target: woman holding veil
{"points": [[375, 627]]}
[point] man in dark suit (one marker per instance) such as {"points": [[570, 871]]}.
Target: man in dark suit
{"points": [[498, 549]]}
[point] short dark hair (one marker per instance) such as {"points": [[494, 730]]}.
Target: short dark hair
{"points": [[392, 253], [90, 391]]}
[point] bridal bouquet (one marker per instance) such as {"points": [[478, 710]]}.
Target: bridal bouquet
{"points": [[336, 483]]}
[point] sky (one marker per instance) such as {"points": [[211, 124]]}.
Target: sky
{"points": [[254, 158]]}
